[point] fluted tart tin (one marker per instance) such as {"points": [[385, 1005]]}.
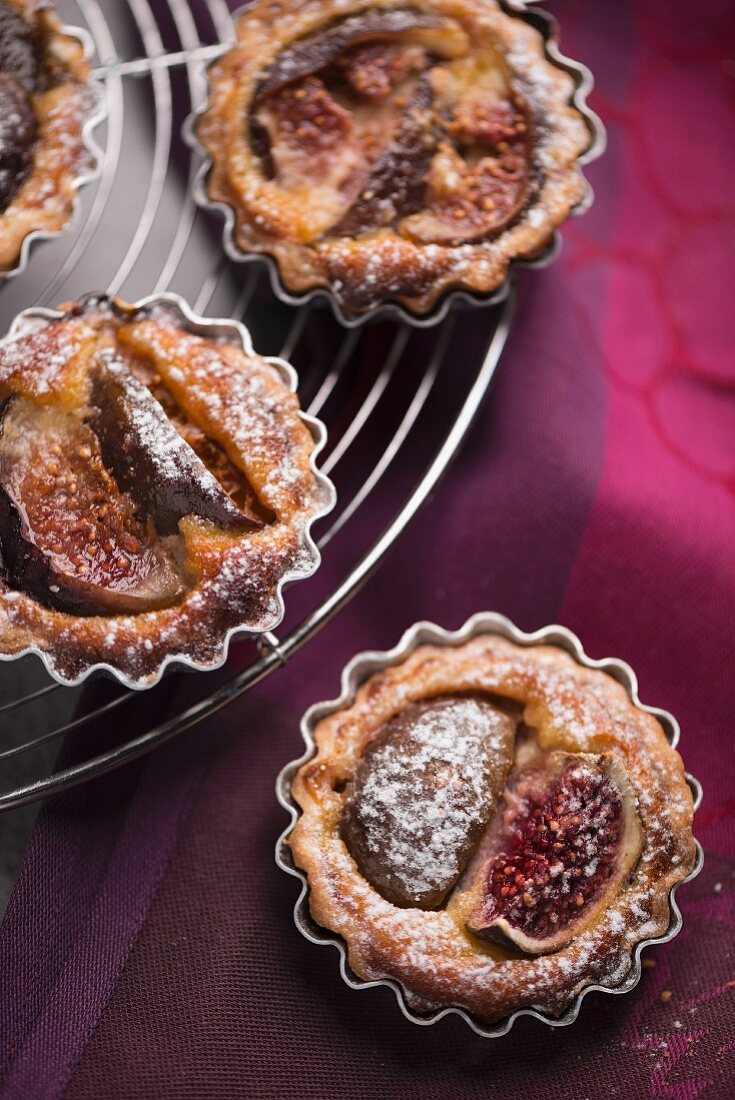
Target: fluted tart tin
{"points": [[364, 667], [194, 629], [387, 308]]}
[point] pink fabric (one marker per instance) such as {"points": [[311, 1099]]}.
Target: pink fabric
{"points": [[149, 948]]}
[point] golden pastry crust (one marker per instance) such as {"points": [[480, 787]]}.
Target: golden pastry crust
{"points": [[405, 261], [430, 953], [232, 578], [63, 103]]}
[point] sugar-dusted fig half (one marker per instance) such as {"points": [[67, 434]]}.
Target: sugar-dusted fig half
{"points": [[374, 70], [425, 787], [563, 844], [68, 535], [468, 202], [436, 34], [150, 459]]}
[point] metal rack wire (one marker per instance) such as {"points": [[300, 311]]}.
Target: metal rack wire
{"points": [[396, 404]]}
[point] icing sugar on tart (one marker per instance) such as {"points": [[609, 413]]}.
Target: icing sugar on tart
{"points": [[156, 489], [45, 101], [395, 151], [493, 826]]}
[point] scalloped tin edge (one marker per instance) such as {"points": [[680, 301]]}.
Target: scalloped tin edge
{"points": [[222, 330], [97, 113], [583, 84], [359, 669]]}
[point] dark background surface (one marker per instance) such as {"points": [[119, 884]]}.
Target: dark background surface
{"points": [[149, 949]]}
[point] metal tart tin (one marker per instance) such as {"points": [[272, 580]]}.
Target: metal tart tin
{"points": [[96, 113], [359, 669], [583, 84], [220, 330]]}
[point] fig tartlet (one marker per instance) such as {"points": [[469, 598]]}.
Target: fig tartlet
{"points": [[391, 152], [493, 826], [46, 102], [157, 488]]}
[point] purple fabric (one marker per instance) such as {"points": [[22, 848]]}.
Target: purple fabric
{"points": [[149, 948]]}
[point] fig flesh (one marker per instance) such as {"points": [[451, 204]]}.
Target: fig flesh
{"points": [[423, 791], [313, 152], [68, 536], [440, 36], [151, 460], [561, 847], [375, 70]]}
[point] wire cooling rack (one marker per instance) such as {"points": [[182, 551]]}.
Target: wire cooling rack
{"points": [[397, 403]]}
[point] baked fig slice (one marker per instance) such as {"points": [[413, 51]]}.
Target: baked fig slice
{"points": [[481, 177], [314, 152], [471, 200], [376, 69], [68, 536], [17, 138], [438, 35], [424, 789], [18, 55], [396, 184], [151, 460], [558, 853]]}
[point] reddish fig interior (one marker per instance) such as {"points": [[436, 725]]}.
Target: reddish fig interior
{"points": [[395, 119]]}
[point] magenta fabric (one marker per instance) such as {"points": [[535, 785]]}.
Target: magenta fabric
{"points": [[149, 948]]}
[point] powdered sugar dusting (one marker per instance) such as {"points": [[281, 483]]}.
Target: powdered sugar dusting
{"points": [[426, 785], [241, 403]]}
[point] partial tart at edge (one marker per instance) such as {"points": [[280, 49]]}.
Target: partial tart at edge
{"points": [[48, 108]]}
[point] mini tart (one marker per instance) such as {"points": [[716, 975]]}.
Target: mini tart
{"points": [[45, 102], [391, 151], [157, 487], [493, 826]]}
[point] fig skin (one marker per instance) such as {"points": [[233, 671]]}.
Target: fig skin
{"points": [[68, 536], [443, 37], [149, 458], [560, 849], [423, 791], [18, 132]]}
